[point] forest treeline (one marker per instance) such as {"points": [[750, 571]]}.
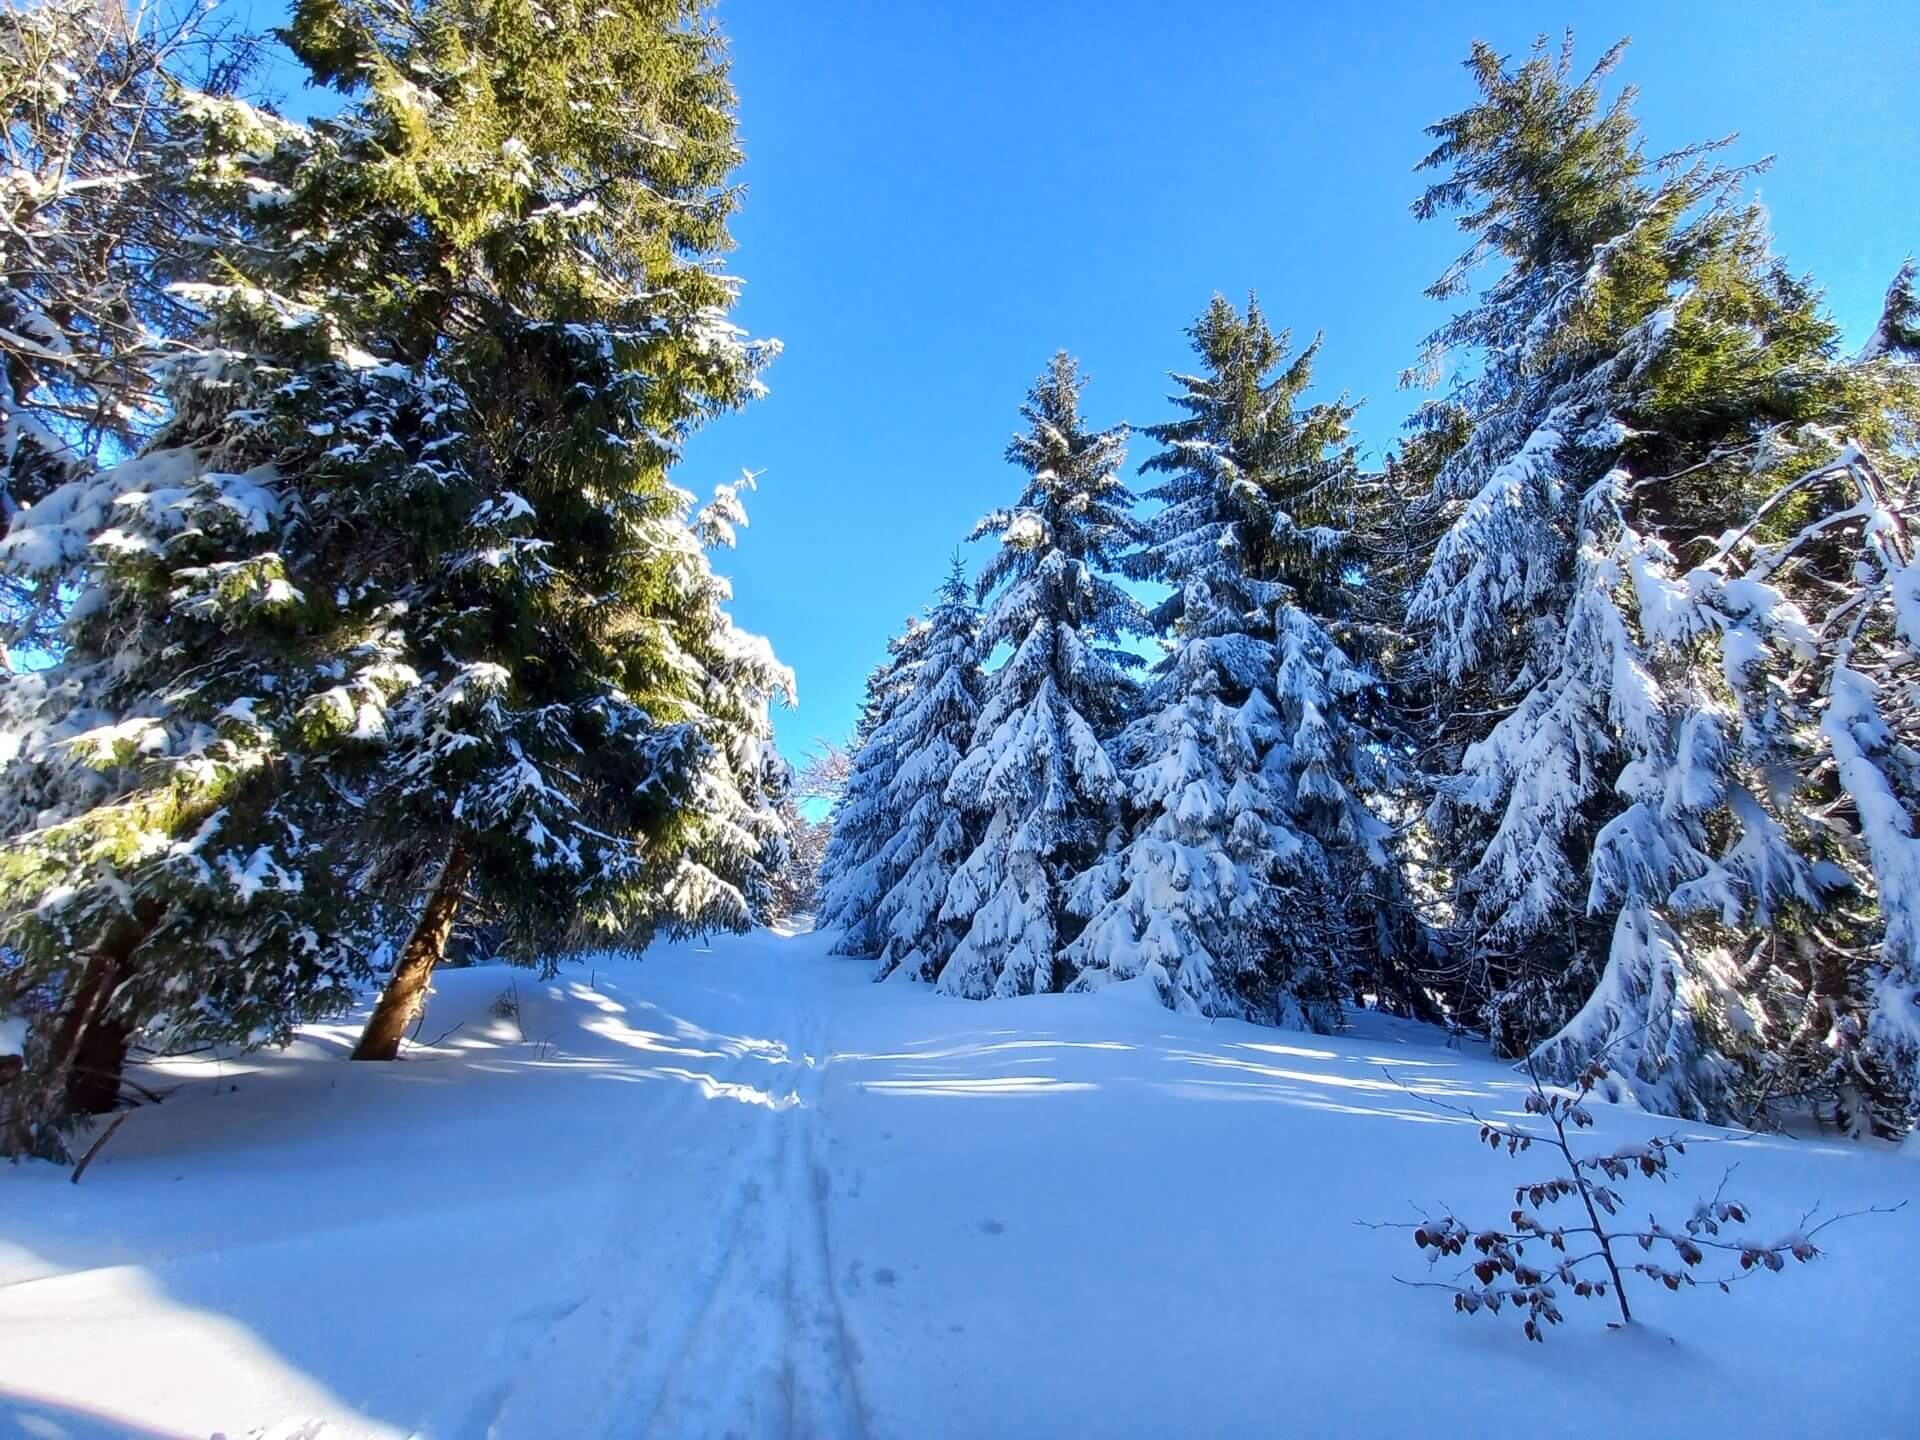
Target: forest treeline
{"points": [[349, 601], [1587, 722]]}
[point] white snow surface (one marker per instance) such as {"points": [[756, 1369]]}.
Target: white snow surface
{"points": [[737, 1190]]}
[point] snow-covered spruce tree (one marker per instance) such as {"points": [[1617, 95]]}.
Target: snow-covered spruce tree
{"points": [[1897, 336], [853, 873], [796, 884], [1036, 781], [1640, 876], [1861, 1034], [928, 733], [819, 780], [165, 873], [103, 134], [539, 193], [1815, 598], [1256, 880], [1395, 530], [409, 538]]}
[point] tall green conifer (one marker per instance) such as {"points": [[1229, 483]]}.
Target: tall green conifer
{"points": [[425, 572]]}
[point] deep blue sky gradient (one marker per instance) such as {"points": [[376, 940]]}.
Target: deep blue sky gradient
{"points": [[941, 194]]}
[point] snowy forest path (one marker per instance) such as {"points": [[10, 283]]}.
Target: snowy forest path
{"points": [[765, 1350], [743, 1335]]}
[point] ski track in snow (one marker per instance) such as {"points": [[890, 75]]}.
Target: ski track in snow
{"points": [[754, 1345], [764, 1351]]}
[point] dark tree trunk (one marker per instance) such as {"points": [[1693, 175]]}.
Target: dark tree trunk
{"points": [[93, 1079], [406, 991], [90, 1052]]}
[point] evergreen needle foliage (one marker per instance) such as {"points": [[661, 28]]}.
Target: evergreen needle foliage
{"points": [[1587, 722]]}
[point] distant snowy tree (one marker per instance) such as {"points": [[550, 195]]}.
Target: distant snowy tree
{"points": [[1897, 336], [927, 735], [1636, 813], [818, 782], [822, 775], [1250, 766], [796, 885], [1037, 781], [855, 872]]}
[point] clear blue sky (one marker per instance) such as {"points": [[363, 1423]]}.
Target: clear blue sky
{"points": [[941, 194]]}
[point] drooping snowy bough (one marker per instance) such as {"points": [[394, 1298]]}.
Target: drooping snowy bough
{"points": [[1662, 552]]}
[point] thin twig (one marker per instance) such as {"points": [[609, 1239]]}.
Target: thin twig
{"points": [[436, 1039]]}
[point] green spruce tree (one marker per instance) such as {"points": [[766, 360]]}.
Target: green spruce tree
{"points": [[588, 746], [402, 606]]}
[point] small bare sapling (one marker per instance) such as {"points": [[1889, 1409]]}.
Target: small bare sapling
{"points": [[1565, 1233]]}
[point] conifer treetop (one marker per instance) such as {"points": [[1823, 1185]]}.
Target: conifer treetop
{"points": [[1072, 523], [1249, 471]]}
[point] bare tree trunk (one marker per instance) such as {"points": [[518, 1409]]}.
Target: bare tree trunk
{"points": [[400, 1002]]}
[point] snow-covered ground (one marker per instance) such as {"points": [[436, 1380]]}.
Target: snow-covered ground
{"points": [[739, 1191]]}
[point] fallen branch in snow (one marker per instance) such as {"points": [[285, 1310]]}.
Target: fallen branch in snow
{"points": [[1501, 1275], [444, 1034], [152, 1097], [95, 1148]]}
